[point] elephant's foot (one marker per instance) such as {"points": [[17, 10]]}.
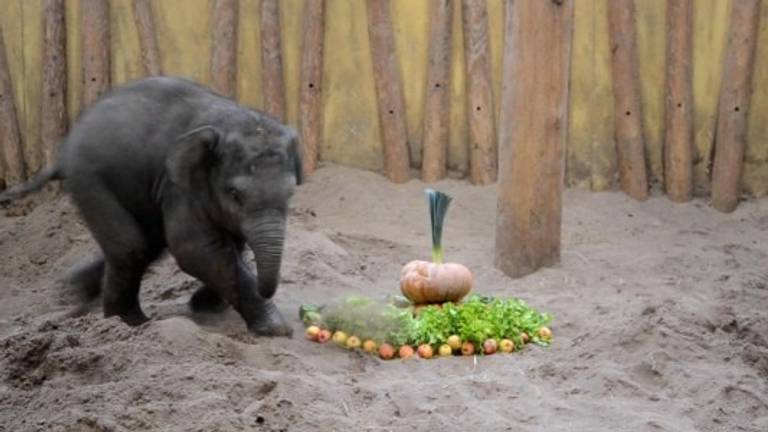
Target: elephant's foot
{"points": [[133, 316], [206, 300], [269, 321], [134, 319]]}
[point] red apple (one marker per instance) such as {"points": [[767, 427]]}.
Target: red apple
{"points": [[490, 346], [386, 351], [467, 348], [323, 336], [370, 346], [405, 352], [425, 351]]}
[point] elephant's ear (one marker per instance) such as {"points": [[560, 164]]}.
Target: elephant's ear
{"points": [[295, 154], [188, 162]]}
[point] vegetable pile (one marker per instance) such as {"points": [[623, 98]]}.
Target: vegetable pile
{"points": [[396, 328], [432, 317]]}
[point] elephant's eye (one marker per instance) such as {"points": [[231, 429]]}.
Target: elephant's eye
{"points": [[263, 159], [235, 195], [268, 155]]}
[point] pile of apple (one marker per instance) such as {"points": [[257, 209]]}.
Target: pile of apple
{"points": [[453, 346]]}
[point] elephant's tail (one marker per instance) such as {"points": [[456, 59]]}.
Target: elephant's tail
{"points": [[33, 185]]}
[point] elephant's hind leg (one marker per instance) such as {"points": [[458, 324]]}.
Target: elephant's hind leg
{"points": [[127, 251], [206, 300], [85, 279]]}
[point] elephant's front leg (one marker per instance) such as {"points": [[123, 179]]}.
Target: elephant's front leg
{"points": [[261, 315], [216, 261]]}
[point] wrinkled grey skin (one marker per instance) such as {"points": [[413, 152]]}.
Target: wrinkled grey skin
{"points": [[163, 163]]}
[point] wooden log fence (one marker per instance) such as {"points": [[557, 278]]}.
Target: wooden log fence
{"points": [[630, 146], [389, 91], [272, 60], [10, 137], [678, 139], [480, 112], [436, 114], [224, 47], [145, 26], [735, 92], [310, 84], [53, 108], [22, 157], [95, 41]]}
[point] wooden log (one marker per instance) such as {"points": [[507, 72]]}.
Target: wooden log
{"points": [[224, 47], [53, 107], [630, 145], [272, 60], [389, 92], [310, 84], [436, 111], [145, 25], [532, 134], [95, 49], [678, 139], [482, 148], [10, 138], [735, 91]]}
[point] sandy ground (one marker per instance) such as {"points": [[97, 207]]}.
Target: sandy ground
{"points": [[661, 324]]}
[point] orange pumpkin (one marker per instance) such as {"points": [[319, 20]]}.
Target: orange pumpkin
{"points": [[424, 282]]}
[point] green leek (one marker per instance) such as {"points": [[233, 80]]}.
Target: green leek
{"points": [[438, 206]]}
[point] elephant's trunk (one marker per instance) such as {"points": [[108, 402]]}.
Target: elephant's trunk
{"points": [[265, 235]]}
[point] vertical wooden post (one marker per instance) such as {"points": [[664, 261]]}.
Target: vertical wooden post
{"points": [[10, 138], [436, 112], [733, 110], [630, 145], [272, 60], [389, 92], [95, 45], [532, 134], [678, 140], [310, 100], [53, 110], [482, 149], [224, 47], [145, 24]]}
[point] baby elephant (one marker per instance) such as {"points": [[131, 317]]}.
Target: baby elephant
{"points": [[163, 163]]}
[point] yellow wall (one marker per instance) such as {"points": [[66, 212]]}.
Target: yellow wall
{"points": [[350, 123], [591, 153], [350, 127]]}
